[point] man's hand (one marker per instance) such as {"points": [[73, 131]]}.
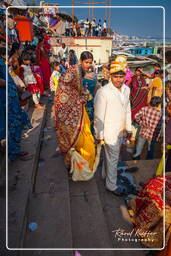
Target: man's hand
{"points": [[101, 142]]}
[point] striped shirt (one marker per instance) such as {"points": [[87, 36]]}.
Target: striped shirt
{"points": [[150, 120]]}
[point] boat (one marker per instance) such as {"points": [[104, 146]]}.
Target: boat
{"points": [[141, 51], [134, 60]]}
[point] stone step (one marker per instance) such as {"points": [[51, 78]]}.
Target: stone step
{"points": [[20, 179], [147, 168], [49, 204], [115, 210], [117, 217], [89, 228]]}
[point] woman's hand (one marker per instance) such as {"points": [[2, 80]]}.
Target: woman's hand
{"points": [[145, 87], [101, 142], [85, 98], [89, 76]]}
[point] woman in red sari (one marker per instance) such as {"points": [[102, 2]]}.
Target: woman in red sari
{"points": [[138, 93], [71, 119], [43, 61], [148, 211]]}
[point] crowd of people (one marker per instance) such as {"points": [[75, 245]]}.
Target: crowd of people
{"points": [[124, 107], [86, 28], [125, 102]]}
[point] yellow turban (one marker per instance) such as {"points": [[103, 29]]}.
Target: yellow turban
{"points": [[119, 64]]}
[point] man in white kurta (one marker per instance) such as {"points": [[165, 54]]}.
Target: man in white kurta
{"points": [[112, 121]]}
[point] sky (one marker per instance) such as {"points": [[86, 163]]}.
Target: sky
{"points": [[142, 22]]}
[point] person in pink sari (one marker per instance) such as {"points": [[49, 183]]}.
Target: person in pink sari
{"points": [[43, 61], [129, 76]]}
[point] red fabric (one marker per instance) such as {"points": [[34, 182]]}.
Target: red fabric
{"points": [[46, 43], [148, 209], [43, 61], [33, 88], [150, 120], [39, 83], [69, 108], [153, 191], [21, 73], [138, 95], [46, 71]]}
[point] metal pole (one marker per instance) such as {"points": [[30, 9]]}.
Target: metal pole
{"points": [[109, 15], [72, 13], [92, 9], [106, 10], [89, 10]]}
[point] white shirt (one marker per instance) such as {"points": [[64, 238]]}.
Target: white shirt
{"points": [[63, 52], [112, 113], [28, 75], [67, 24], [104, 25], [168, 69]]}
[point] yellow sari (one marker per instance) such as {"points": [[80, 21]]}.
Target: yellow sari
{"points": [[85, 145]]}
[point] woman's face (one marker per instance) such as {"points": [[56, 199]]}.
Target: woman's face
{"points": [[26, 62], [86, 64], [137, 73]]}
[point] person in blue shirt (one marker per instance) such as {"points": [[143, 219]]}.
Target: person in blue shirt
{"points": [[17, 118], [63, 66]]}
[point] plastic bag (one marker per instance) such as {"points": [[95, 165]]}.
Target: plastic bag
{"points": [[79, 166]]}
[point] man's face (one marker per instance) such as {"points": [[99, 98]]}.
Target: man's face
{"points": [[86, 64], [118, 80], [156, 68]]}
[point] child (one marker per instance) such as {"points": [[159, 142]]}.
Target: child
{"points": [[150, 120], [106, 75], [156, 86], [39, 77], [27, 76], [63, 66], [55, 76]]}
